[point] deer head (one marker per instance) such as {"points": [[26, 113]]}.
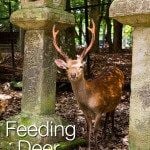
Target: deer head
{"points": [[74, 67]]}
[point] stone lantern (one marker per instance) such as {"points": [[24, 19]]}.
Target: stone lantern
{"points": [[137, 14], [37, 18]]}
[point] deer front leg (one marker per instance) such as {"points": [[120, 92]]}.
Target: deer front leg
{"points": [[88, 119], [89, 129], [96, 126]]}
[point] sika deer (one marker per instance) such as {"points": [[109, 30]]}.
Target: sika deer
{"points": [[94, 97]]}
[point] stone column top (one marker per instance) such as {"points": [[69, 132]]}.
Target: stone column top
{"points": [[42, 14], [41, 18], [131, 12], [59, 4]]}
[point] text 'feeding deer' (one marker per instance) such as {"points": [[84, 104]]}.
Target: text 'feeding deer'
{"points": [[94, 97]]}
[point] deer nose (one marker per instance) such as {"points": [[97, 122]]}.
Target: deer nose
{"points": [[73, 75]]}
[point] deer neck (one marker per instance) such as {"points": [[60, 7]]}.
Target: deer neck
{"points": [[79, 89]]}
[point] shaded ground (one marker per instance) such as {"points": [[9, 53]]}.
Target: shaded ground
{"points": [[66, 105]]}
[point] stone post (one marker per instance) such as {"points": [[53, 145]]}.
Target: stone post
{"points": [[37, 17], [137, 14]]}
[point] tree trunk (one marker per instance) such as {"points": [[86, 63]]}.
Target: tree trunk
{"points": [[80, 30], [70, 36], [117, 42], [108, 23], [108, 35], [94, 14]]}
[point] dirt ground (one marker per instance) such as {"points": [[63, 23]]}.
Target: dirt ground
{"points": [[66, 105]]}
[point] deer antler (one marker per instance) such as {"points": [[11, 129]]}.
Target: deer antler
{"points": [[92, 30], [59, 50]]}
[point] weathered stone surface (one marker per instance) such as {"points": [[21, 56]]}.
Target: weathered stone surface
{"points": [[137, 14], [39, 73], [39, 76], [41, 18], [27, 120], [33, 3], [39, 69], [140, 90], [131, 12], [60, 4]]}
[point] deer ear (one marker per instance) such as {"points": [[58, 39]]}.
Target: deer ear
{"points": [[60, 63]]}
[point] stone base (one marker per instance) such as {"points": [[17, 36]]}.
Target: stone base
{"points": [[14, 141]]}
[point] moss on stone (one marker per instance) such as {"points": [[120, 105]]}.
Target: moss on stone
{"points": [[27, 119]]}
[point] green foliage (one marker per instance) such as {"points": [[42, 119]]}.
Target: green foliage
{"points": [[79, 19], [16, 85], [77, 3], [102, 29], [5, 12], [127, 35], [69, 145], [127, 30]]}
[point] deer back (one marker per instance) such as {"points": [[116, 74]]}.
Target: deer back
{"points": [[104, 93]]}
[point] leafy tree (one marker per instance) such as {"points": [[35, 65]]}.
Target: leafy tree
{"points": [[6, 7]]}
